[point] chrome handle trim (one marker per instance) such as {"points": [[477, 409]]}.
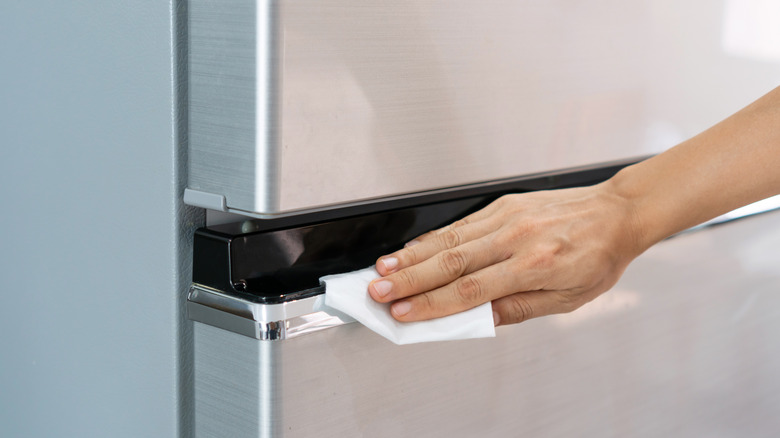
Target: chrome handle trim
{"points": [[265, 322]]}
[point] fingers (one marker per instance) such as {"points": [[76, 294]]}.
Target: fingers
{"points": [[431, 246], [471, 227], [436, 271], [488, 284], [477, 216], [531, 255]]}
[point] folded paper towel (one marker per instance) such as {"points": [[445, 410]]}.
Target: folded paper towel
{"points": [[348, 294]]}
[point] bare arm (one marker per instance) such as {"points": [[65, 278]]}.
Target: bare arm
{"points": [[550, 252], [732, 164]]}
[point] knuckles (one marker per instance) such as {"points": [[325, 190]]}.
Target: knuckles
{"points": [[469, 291], [461, 222], [504, 200], [519, 310], [404, 282], [423, 305], [453, 263], [546, 256], [407, 256], [451, 238]]}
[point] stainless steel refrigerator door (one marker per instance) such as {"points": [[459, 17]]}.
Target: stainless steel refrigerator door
{"points": [[685, 345], [311, 104]]}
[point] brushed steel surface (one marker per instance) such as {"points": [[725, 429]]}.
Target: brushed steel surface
{"points": [[233, 88], [305, 104], [230, 373], [686, 344]]}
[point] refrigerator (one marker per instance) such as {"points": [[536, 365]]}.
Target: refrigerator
{"points": [[179, 174]]}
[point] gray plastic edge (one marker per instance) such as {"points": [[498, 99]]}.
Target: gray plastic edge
{"points": [[212, 201]]}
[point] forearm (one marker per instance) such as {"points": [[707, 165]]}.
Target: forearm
{"points": [[734, 163], [548, 252]]}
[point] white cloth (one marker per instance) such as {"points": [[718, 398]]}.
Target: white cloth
{"points": [[348, 294]]}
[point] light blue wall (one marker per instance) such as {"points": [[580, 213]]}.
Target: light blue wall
{"points": [[94, 240]]}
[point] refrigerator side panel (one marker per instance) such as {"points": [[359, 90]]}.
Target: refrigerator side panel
{"points": [[96, 242]]}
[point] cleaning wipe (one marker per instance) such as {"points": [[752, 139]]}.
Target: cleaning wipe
{"points": [[348, 294]]}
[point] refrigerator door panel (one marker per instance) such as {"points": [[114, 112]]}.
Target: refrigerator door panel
{"points": [[684, 345], [301, 105]]}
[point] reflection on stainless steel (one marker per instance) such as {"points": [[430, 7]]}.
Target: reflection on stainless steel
{"points": [[687, 348], [267, 322], [754, 208], [346, 101], [751, 29], [762, 206], [311, 323], [617, 300]]}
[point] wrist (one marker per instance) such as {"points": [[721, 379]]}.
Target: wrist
{"points": [[633, 211]]}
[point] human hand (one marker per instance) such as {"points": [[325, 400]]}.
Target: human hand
{"points": [[531, 254]]}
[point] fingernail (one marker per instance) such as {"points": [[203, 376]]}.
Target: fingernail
{"points": [[496, 319], [389, 262], [401, 308], [382, 288], [411, 243]]}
